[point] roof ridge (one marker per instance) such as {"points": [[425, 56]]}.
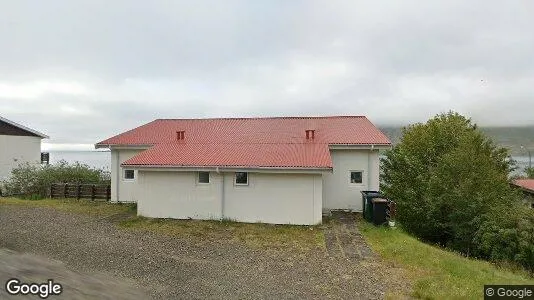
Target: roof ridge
{"points": [[263, 118], [170, 142]]}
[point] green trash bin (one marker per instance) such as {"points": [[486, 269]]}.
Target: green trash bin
{"points": [[367, 205]]}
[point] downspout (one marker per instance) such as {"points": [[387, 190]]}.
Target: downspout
{"points": [[117, 180], [313, 201], [369, 167], [222, 192]]}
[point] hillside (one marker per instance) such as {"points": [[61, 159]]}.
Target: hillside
{"points": [[436, 273], [508, 137]]}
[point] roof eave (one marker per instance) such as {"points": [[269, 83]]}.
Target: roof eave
{"points": [[384, 146], [37, 133], [522, 188], [123, 146], [224, 168]]}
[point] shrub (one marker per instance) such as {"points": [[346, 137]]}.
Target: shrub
{"points": [[33, 181], [450, 182], [507, 234]]}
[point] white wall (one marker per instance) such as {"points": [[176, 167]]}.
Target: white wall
{"points": [[270, 197], [277, 198], [338, 191], [15, 150], [167, 194], [123, 190]]}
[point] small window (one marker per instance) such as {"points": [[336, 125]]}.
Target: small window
{"points": [[129, 174], [203, 177], [241, 178], [356, 177]]}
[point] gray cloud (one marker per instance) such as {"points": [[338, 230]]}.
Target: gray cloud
{"points": [[82, 71]]}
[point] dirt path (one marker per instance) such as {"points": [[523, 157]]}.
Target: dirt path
{"points": [[344, 240], [187, 268]]}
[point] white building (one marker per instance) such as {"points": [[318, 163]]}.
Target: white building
{"points": [[18, 145], [285, 170]]}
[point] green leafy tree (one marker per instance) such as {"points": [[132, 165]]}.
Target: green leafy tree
{"points": [[530, 172], [445, 175]]}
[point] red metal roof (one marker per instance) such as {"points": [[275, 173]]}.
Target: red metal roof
{"points": [[329, 130], [247, 142], [527, 184], [235, 155]]}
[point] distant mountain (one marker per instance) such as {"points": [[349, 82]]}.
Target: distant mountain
{"points": [[508, 137]]}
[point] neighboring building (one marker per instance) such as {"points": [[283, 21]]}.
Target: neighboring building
{"points": [[283, 170], [18, 145], [527, 187]]}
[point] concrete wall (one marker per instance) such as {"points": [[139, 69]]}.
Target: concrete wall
{"points": [[15, 150], [338, 191], [123, 190], [167, 194], [278, 198]]}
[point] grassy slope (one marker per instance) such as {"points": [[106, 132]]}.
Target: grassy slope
{"points": [[437, 273]]}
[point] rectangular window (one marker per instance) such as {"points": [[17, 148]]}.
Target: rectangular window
{"points": [[129, 174], [203, 177], [356, 177], [241, 178]]}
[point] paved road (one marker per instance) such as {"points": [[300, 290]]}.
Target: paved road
{"points": [[187, 268]]}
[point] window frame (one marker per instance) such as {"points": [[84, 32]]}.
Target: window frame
{"points": [[124, 175], [198, 177], [241, 184], [350, 177]]}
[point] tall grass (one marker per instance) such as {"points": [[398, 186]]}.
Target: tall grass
{"points": [[435, 272]]}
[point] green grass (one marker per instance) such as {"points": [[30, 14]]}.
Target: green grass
{"points": [[302, 238], [94, 208], [255, 235], [437, 273]]}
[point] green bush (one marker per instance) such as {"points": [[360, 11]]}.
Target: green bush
{"points": [[450, 181], [507, 234], [33, 181]]}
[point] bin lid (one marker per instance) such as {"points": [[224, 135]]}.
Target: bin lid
{"points": [[372, 194], [379, 200]]}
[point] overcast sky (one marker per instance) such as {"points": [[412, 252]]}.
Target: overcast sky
{"points": [[82, 71]]}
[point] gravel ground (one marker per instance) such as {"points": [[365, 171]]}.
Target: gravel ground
{"points": [[186, 268], [30, 268]]}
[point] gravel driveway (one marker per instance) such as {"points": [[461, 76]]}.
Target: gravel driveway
{"points": [[167, 267]]}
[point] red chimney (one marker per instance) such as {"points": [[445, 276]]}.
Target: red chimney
{"points": [[180, 135], [310, 134]]}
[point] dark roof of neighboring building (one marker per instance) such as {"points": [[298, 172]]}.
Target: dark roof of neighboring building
{"points": [[8, 127]]}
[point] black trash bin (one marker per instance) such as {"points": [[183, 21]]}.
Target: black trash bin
{"points": [[380, 206], [367, 205]]}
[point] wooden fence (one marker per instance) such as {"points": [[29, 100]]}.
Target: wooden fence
{"points": [[79, 191]]}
